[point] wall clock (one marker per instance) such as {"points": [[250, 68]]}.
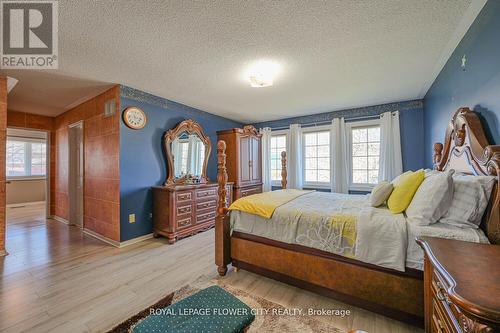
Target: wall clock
{"points": [[134, 118]]}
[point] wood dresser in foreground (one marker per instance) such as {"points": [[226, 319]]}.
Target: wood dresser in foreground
{"points": [[183, 210], [462, 286]]}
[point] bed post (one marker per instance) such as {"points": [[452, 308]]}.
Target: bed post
{"points": [[283, 170], [222, 239], [438, 155]]}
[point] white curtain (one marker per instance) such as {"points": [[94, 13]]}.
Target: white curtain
{"points": [[339, 160], [266, 158], [391, 160], [294, 157]]}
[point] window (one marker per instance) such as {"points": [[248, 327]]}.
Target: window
{"points": [[278, 144], [316, 158], [26, 158], [365, 154]]}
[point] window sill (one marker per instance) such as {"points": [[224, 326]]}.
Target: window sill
{"points": [[317, 186], [361, 187], [15, 179]]}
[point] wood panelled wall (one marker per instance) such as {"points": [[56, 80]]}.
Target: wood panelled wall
{"points": [[102, 165], [28, 120], [3, 136], [101, 158]]}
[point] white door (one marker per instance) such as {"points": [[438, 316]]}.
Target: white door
{"points": [[75, 174]]}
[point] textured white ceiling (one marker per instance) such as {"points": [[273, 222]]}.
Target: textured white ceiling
{"points": [[333, 54]]}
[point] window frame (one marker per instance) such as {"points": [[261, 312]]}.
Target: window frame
{"points": [[286, 133], [27, 158], [349, 127], [313, 129]]}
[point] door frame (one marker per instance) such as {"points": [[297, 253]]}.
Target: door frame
{"points": [[79, 193]]}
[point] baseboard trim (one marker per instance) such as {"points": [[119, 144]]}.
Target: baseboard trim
{"points": [[31, 203], [136, 240], [59, 219], [116, 243], [101, 237]]}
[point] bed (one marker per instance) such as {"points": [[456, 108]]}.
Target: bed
{"points": [[379, 270]]}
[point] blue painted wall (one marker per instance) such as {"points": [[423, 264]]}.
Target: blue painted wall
{"points": [[411, 120], [477, 87], [142, 160]]}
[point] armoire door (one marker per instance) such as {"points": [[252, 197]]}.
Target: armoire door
{"points": [[245, 159], [255, 158]]}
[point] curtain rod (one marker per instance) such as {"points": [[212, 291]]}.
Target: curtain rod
{"points": [[326, 122]]}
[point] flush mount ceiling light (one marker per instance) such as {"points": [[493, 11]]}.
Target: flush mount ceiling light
{"points": [[262, 73]]}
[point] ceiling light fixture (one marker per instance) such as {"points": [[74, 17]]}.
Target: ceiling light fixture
{"points": [[261, 74]]}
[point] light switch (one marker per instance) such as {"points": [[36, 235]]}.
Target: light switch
{"points": [[131, 218]]}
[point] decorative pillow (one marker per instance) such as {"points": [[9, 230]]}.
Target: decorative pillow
{"points": [[381, 193], [470, 199], [404, 190], [432, 199]]}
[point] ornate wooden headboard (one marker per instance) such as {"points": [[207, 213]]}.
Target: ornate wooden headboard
{"points": [[467, 150]]}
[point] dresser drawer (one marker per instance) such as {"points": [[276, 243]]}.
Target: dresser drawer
{"points": [[211, 192], [251, 190], [184, 209], [184, 222], [212, 203], [183, 196], [205, 216]]}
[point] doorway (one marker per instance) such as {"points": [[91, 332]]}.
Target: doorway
{"points": [[75, 173], [27, 192]]}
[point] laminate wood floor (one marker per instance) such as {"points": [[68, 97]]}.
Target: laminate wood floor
{"points": [[57, 279]]}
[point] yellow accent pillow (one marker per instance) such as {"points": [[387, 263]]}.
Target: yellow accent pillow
{"points": [[404, 190]]}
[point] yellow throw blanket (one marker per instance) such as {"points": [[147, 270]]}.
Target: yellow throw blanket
{"points": [[264, 204]]}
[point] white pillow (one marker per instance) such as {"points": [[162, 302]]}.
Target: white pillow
{"points": [[470, 199], [432, 199], [381, 193]]}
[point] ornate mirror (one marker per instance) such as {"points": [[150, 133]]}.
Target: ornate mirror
{"points": [[188, 149]]}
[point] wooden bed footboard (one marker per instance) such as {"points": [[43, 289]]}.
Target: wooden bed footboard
{"points": [[399, 295]]}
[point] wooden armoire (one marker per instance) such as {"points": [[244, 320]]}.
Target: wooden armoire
{"points": [[243, 159]]}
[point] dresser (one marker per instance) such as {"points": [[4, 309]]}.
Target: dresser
{"points": [[183, 210], [461, 286], [244, 159]]}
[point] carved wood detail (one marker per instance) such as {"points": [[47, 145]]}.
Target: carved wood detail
{"points": [[465, 139], [191, 127], [249, 129], [222, 227], [283, 170], [470, 326]]}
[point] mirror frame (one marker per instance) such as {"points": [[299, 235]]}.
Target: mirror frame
{"points": [[191, 127]]}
